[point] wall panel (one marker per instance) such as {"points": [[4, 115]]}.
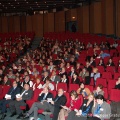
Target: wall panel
{"points": [[118, 18], [80, 19], [22, 23], [29, 23], [0, 24], [92, 18], [4, 24], [60, 21], [11, 24], [85, 19], [109, 17], [16, 23], [97, 18]]}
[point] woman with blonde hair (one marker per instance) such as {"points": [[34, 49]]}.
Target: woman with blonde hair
{"points": [[74, 103]]}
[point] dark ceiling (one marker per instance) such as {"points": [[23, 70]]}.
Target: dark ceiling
{"points": [[7, 6]]}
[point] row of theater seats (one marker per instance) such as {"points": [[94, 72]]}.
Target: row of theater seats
{"points": [[86, 37]]}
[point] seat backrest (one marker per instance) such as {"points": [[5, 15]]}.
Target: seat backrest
{"points": [[107, 75], [101, 81], [116, 75], [115, 95], [89, 87], [54, 93], [105, 93], [36, 94], [101, 69], [62, 85], [5, 89], [111, 84], [73, 87]]}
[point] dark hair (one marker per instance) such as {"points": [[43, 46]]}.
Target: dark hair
{"points": [[100, 86], [101, 97], [73, 92]]}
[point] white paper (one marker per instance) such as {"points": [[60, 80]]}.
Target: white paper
{"points": [[18, 96], [7, 96]]}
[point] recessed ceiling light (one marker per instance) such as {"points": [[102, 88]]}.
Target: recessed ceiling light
{"points": [[45, 2], [26, 2], [14, 7], [8, 3], [18, 3]]}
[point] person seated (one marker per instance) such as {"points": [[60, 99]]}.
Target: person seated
{"points": [[84, 74], [27, 81], [11, 75], [103, 55], [84, 91], [48, 84], [51, 66], [88, 67], [95, 55], [101, 63], [6, 81], [14, 105], [37, 84], [72, 71], [101, 109], [11, 95], [99, 90], [1, 76], [62, 72], [83, 111], [110, 63], [17, 79], [75, 79], [65, 79], [45, 95], [73, 103], [95, 74], [92, 62], [117, 86], [55, 78], [52, 106], [78, 68], [45, 76]]}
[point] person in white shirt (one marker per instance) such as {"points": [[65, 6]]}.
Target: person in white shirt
{"points": [[48, 84]]}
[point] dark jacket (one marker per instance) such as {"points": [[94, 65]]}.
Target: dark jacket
{"points": [[13, 92], [49, 95]]}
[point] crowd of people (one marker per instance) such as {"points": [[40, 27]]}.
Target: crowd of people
{"points": [[56, 62]]}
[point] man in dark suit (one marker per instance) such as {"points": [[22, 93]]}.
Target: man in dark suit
{"points": [[26, 94], [45, 94], [52, 106], [8, 98]]}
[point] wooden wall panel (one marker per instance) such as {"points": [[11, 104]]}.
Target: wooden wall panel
{"points": [[11, 24], [46, 22], [60, 21], [0, 24], [92, 18], [4, 24], [109, 17], [80, 19], [118, 18], [37, 25], [23, 23], [85, 19], [29, 23], [40, 25], [103, 9], [97, 17], [51, 22], [16, 23]]}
